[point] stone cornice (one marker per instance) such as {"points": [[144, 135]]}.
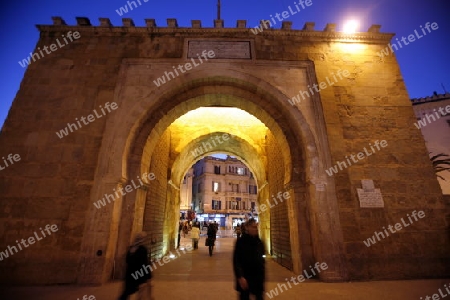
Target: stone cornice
{"points": [[327, 35]]}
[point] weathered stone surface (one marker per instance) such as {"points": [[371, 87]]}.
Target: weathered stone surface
{"points": [[57, 179]]}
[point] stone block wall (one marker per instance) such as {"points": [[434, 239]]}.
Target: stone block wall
{"points": [[53, 182], [372, 104], [155, 206], [279, 220]]}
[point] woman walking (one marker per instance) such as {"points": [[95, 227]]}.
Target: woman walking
{"points": [[211, 233], [195, 235]]}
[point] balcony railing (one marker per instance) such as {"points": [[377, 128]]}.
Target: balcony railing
{"points": [[236, 194], [225, 211]]}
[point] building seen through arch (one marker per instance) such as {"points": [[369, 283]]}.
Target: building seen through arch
{"points": [[224, 190]]}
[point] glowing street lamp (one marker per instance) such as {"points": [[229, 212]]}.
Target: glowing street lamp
{"points": [[351, 26]]}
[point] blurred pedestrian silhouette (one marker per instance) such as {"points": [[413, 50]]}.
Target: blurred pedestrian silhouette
{"points": [[242, 228], [248, 263], [185, 229], [238, 231], [180, 228], [136, 260]]}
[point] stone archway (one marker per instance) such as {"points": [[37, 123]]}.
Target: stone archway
{"points": [[237, 147], [131, 144], [84, 163]]}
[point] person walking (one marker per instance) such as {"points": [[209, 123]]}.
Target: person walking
{"points": [[249, 263], [195, 235], [180, 228], [136, 261], [185, 229], [211, 233], [237, 230], [243, 228]]}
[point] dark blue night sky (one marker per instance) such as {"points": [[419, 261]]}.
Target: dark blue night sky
{"points": [[425, 63]]}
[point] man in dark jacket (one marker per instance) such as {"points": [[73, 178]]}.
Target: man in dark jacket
{"points": [[249, 264]]}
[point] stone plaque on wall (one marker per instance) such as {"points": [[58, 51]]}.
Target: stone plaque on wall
{"points": [[370, 199], [367, 185], [222, 49], [320, 187], [369, 196]]}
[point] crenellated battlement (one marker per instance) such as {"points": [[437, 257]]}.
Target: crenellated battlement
{"points": [[373, 34], [436, 97]]}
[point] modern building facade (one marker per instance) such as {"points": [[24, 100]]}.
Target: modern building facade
{"points": [[433, 120], [224, 190]]}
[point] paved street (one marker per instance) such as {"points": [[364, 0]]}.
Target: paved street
{"points": [[195, 275]]}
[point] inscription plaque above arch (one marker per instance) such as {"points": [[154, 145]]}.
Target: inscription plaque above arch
{"points": [[222, 49]]}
